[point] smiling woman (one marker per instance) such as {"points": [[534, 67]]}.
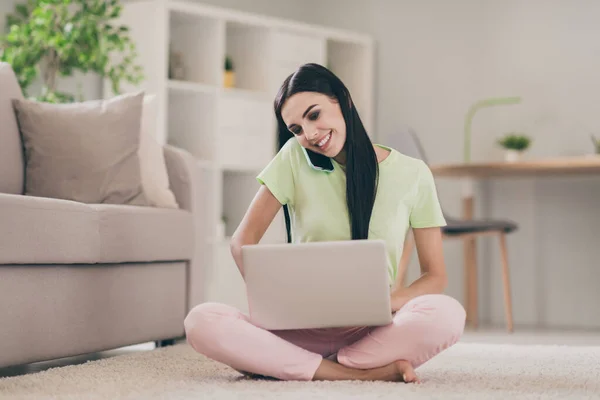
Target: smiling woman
{"points": [[338, 185], [315, 106]]}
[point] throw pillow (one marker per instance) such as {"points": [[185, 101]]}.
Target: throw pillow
{"points": [[155, 179], [85, 152]]}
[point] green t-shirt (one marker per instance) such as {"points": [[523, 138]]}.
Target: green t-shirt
{"points": [[406, 197]]}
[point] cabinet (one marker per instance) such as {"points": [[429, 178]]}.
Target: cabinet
{"points": [[231, 131]]}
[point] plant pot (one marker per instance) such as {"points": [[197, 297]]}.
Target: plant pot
{"points": [[229, 79], [512, 155]]}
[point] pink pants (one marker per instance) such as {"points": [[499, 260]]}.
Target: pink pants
{"points": [[424, 327]]}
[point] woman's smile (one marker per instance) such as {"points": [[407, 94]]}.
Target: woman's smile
{"points": [[324, 143]]}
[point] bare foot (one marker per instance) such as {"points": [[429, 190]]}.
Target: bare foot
{"points": [[406, 371], [399, 371]]}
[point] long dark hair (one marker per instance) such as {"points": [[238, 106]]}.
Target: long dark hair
{"points": [[362, 169]]}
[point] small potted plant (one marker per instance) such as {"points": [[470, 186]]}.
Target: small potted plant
{"points": [[229, 79], [596, 144], [514, 145]]}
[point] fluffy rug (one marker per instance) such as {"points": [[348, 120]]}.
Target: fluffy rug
{"points": [[465, 371]]}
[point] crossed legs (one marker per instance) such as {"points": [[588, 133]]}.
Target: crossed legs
{"points": [[423, 328]]}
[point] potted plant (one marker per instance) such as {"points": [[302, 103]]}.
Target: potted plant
{"points": [[229, 79], [47, 39], [514, 144], [596, 144]]}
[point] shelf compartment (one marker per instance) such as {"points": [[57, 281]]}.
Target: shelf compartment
{"points": [[198, 41], [239, 189], [246, 133], [190, 123], [247, 46]]}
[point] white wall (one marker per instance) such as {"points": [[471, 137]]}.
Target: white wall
{"points": [[547, 52], [434, 59]]}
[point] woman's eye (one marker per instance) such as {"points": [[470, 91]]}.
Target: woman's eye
{"points": [[296, 131], [314, 116]]}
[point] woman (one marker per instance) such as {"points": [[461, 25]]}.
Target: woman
{"points": [[334, 184]]}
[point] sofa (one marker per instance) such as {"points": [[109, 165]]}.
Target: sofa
{"points": [[81, 278]]}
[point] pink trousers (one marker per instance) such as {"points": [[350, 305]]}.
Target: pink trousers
{"points": [[421, 329]]}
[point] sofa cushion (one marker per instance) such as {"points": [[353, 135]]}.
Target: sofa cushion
{"points": [[155, 178], [130, 233], [84, 152], [11, 152], [37, 230]]}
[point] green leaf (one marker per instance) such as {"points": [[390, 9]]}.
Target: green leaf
{"points": [[22, 10], [81, 35]]}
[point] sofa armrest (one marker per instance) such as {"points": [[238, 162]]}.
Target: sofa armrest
{"points": [[187, 183]]}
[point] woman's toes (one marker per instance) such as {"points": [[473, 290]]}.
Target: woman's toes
{"points": [[407, 371]]}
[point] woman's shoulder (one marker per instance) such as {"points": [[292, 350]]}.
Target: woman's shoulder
{"points": [[400, 162], [288, 157], [290, 148]]}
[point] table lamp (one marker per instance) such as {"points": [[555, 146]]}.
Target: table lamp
{"points": [[491, 102]]}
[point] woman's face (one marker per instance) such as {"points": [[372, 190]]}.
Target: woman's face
{"points": [[316, 121]]}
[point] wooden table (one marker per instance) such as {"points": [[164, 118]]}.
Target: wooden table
{"points": [[544, 167], [471, 172]]}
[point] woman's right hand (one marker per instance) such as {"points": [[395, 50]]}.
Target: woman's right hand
{"points": [[261, 212]]}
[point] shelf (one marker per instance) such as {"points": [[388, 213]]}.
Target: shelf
{"points": [[191, 87], [231, 132], [246, 93]]}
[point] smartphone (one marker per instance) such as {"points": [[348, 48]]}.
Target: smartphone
{"points": [[318, 161]]}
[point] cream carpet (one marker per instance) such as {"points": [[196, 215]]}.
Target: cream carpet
{"points": [[465, 371]]}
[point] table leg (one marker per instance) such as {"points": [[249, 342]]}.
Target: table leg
{"points": [[470, 260]]}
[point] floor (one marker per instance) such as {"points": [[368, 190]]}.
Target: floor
{"points": [[484, 335], [466, 371]]}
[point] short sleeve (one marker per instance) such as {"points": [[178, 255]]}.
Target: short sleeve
{"points": [[278, 175], [426, 211]]}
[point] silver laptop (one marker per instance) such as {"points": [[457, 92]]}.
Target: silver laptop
{"points": [[317, 284]]}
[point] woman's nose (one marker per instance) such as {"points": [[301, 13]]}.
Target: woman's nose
{"points": [[313, 133]]}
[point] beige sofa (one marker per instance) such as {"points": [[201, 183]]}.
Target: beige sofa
{"points": [[79, 278]]}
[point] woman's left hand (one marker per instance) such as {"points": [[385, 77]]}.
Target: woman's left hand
{"points": [[398, 300]]}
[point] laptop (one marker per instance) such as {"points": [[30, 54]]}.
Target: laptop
{"points": [[317, 284]]}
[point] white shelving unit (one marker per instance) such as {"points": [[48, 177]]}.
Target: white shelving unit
{"points": [[231, 131]]}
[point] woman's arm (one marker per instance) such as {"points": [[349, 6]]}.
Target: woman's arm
{"points": [[263, 208], [433, 278]]}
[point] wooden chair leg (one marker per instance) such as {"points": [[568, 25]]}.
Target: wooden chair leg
{"points": [[409, 244], [471, 287], [506, 280]]}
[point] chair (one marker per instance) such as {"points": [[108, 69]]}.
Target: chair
{"points": [[407, 142]]}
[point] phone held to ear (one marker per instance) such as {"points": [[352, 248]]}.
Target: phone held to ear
{"points": [[328, 167]]}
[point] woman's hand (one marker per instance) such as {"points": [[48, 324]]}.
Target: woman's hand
{"points": [[398, 299]]}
